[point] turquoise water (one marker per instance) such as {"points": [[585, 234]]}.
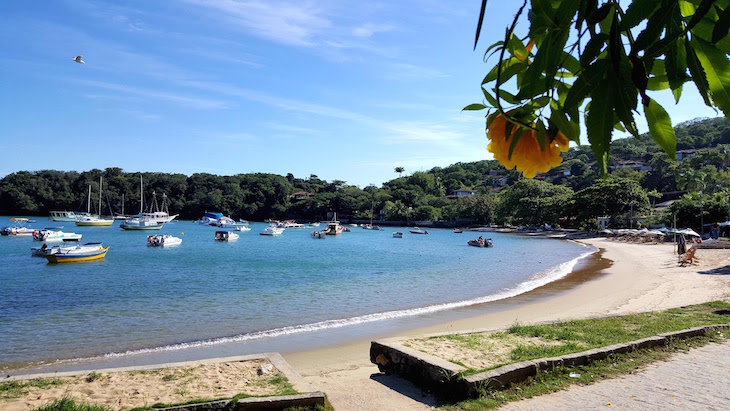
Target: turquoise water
{"points": [[258, 289]]}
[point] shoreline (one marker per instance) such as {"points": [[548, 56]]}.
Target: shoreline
{"points": [[620, 278]]}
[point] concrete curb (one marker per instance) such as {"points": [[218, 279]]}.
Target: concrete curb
{"points": [[441, 375], [311, 399]]}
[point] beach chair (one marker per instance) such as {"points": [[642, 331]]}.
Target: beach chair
{"points": [[688, 257]]}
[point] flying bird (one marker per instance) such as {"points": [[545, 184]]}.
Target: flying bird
{"points": [[78, 59]]}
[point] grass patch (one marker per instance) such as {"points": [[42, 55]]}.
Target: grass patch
{"points": [[546, 382], [16, 389], [530, 342], [67, 404], [93, 376]]}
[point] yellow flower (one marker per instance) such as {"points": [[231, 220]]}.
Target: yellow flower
{"points": [[527, 156]]}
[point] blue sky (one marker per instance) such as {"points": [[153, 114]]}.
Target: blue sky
{"points": [[345, 90]]}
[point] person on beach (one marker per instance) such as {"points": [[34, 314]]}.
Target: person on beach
{"points": [[681, 245]]}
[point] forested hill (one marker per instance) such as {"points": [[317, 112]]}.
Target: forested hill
{"points": [[421, 195]]}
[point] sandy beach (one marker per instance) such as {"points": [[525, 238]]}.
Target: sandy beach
{"points": [[622, 278]]}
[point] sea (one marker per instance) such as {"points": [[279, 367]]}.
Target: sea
{"points": [[205, 298]]}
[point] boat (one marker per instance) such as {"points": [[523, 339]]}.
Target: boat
{"points": [[227, 222], [225, 236], [140, 223], [319, 234], [353, 225], [90, 220], [458, 231], [315, 224], [334, 227], [397, 234], [159, 240], [18, 227], [77, 254], [65, 216], [210, 218], [289, 224], [416, 230], [160, 214], [55, 234], [272, 230], [481, 242]]}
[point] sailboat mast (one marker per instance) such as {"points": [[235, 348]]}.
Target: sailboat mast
{"points": [[141, 196], [88, 202], [100, 183], [122, 203]]}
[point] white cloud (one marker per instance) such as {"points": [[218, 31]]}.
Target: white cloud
{"points": [[368, 29], [179, 99], [412, 72]]}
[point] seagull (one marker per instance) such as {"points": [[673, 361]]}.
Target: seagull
{"points": [[78, 59]]}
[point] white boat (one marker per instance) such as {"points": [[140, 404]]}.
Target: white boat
{"points": [[161, 214], [225, 236], [353, 225], [18, 227], [315, 224], [55, 234], [227, 222], [210, 218], [458, 231], [289, 224], [371, 226], [140, 223], [94, 221], [75, 254], [319, 234], [416, 230], [272, 230], [397, 234], [66, 216], [163, 240], [481, 242], [334, 227]]}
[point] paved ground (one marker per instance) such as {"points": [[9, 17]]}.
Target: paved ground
{"points": [[697, 380]]}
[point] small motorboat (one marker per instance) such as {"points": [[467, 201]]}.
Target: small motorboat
{"points": [[140, 223], [18, 228], [225, 236], [55, 234], [319, 234], [397, 234], [75, 254], [416, 230], [272, 230], [458, 231], [481, 242], [227, 222], [163, 240]]}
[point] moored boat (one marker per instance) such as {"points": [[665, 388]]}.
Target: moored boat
{"points": [[397, 234], [481, 242], [67, 216], [55, 234], [163, 240], [140, 223], [227, 222], [272, 230], [160, 215], [94, 221], [225, 236], [210, 218], [77, 254], [334, 227], [319, 234], [416, 230], [458, 231], [18, 227]]}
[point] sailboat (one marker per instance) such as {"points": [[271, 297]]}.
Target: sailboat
{"points": [[334, 227], [94, 221], [159, 214], [142, 221], [371, 226]]}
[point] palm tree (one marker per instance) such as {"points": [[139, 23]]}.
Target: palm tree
{"points": [[399, 170]]}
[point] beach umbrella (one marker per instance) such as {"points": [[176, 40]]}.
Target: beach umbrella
{"points": [[656, 232], [643, 231], [689, 232]]}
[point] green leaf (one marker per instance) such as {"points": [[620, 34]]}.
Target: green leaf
{"points": [[676, 68], [508, 97], [585, 84], [516, 48], [593, 49], [660, 127], [698, 74], [479, 24], [717, 70], [541, 134], [722, 26], [474, 107], [510, 67], [568, 128], [637, 12], [654, 28], [658, 83], [489, 97], [599, 124]]}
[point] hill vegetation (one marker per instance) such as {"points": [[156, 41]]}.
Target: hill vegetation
{"points": [[572, 194]]}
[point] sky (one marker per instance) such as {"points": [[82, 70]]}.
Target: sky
{"points": [[344, 90]]}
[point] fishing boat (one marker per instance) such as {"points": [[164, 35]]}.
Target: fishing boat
{"points": [[18, 228], [397, 234], [481, 242], [416, 230], [225, 236], [66, 216], [334, 227], [160, 214], [163, 241], [94, 221], [77, 254], [272, 230], [51, 234]]}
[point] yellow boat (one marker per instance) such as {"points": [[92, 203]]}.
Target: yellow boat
{"points": [[86, 252]]}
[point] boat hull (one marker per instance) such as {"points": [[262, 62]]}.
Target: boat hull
{"points": [[77, 258], [95, 223]]}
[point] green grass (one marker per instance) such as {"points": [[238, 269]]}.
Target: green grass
{"points": [[556, 339], [559, 378], [67, 404], [16, 389]]}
